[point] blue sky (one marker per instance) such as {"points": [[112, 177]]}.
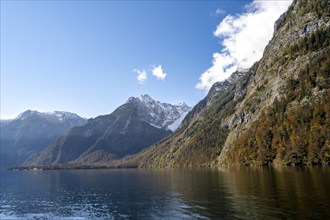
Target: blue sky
{"points": [[85, 56]]}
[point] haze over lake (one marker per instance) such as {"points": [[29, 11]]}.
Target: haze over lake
{"points": [[226, 193]]}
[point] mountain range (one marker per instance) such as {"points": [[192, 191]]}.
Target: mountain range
{"points": [[133, 126], [31, 131], [277, 113]]}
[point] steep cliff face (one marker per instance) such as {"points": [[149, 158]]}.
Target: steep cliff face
{"points": [[287, 98], [277, 113], [200, 137]]}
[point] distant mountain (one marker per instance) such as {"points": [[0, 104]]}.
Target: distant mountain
{"points": [[31, 132], [132, 127], [157, 114], [276, 113]]}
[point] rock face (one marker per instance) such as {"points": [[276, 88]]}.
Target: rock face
{"points": [[198, 140], [157, 114], [135, 125], [31, 132], [288, 95], [276, 113]]}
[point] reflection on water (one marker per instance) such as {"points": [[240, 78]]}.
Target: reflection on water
{"points": [[301, 193], [231, 193]]}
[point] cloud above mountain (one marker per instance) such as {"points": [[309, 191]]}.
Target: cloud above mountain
{"points": [[243, 38], [156, 71], [142, 75]]}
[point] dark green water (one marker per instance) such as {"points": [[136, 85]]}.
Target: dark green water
{"points": [[235, 193]]}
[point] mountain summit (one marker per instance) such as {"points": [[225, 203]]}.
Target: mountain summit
{"points": [[276, 113], [56, 116], [133, 126], [32, 131], [157, 114]]}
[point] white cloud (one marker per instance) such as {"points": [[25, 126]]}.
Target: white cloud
{"points": [[220, 11], [243, 38], [221, 69], [158, 72], [142, 75]]}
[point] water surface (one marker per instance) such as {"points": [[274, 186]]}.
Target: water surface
{"points": [[231, 193]]}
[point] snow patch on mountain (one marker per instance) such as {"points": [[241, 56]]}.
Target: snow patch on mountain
{"points": [[177, 122], [55, 117], [158, 114]]}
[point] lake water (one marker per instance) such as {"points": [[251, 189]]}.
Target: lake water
{"points": [[235, 193]]}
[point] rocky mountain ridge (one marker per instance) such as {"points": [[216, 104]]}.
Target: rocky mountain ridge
{"points": [[157, 114], [133, 126], [31, 131], [276, 113]]}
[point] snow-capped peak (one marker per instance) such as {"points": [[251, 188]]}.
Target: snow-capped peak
{"points": [[158, 114], [56, 116], [180, 104], [62, 115], [145, 98], [27, 114]]}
